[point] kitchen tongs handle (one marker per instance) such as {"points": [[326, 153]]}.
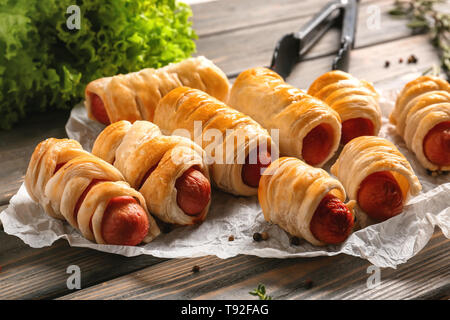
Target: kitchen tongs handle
{"points": [[341, 61], [318, 25]]}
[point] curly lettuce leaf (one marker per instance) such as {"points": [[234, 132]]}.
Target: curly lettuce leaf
{"points": [[46, 66]]}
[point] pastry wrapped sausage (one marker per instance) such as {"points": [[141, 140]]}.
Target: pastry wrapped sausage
{"points": [[422, 118], [355, 100], [309, 128], [74, 185], [169, 171], [134, 96], [237, 145], [305, 201], [376, 175]]}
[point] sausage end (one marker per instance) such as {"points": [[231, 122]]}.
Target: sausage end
{"points": [[332, 221]]}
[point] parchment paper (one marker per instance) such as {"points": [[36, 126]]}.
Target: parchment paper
{"points": [[386, 244]]}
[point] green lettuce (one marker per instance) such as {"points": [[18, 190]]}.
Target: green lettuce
{"points": [[44, 65]]}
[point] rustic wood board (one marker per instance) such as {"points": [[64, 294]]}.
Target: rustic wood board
{"points": [[338, 277], [29, 273]]}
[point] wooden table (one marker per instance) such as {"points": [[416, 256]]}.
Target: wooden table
{"points": [[235, 34]]}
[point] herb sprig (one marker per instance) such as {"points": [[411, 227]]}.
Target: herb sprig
{"points": [[260, 291], [424, 17]]}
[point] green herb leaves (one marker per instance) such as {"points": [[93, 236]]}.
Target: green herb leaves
{"points": [[426, 16], [260, 291]]}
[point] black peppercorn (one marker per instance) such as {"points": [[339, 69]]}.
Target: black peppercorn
{"points": [[195, 269], [257, 236], [386, 64], [412, 59], [295, 241]]}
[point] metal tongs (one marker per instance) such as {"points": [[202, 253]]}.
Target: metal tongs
{"points": [[293, 46]]}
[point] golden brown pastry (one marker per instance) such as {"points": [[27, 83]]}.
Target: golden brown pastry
{"points": [[169, 171], [355, 100], [74, 185], [308, 128], [422, 118], [376, 175], [134, 96], [237, 146], [305, 201]]}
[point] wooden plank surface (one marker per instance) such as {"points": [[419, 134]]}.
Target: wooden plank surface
{"points": [[234, 46], [17, 145], [338, 277], [29, 273], [368, 62]]}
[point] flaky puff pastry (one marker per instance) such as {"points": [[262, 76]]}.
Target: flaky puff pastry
{"points": [[422, 104], [227, 135], [348, 96], [58, 192], [263, 95], [134, 96], [290, 192], [366, 155], [136, 148]]}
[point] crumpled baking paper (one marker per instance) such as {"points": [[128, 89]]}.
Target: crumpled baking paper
{"points": [[385, 244]]}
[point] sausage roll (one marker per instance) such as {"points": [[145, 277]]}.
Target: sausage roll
{"points": [[308, 128], [305, 201], [237, 147], [376, 175], [422, 118], [355, 100], [169, 171], [134, 96], [74, 185]]}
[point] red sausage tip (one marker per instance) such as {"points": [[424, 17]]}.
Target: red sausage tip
{"points": [[98, 109], [436, 144], [356, 127], [332, 221], [124, 222], [193, 192], [251, 172], [380, 196], [317, 144]]}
